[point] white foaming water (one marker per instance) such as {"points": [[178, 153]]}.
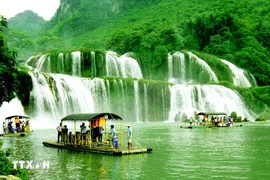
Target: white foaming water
{"points": [[76, 63], [56, 95], [123, 66], [137, 99], [192, 70], [14, 107], [239, 78], [188, 100], [177, 61], [204, 65]]}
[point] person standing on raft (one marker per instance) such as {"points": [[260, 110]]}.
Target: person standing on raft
{"points": [[129, 134]]}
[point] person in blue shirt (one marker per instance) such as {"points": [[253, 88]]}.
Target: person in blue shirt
{"points": [[112, 134], [129, 134]]}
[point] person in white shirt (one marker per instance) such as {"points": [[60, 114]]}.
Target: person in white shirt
{"points": [[129, 134], [59, 130]]}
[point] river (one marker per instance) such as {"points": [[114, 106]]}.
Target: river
{"points": [[178, 153]]}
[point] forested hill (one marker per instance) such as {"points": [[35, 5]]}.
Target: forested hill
{"points": [[27, 21], [238, 31]]}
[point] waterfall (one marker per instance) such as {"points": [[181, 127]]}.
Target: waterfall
{"points": [[137, 101], [76, 63], [146, 117], [240, 78], [94, 66], [123, 96], [60, 63], [40, 63], [14, 107], [177, 69], [55, 95], [187, 100], [189, 71], [123, 66], [100, 100], [205, 71]]}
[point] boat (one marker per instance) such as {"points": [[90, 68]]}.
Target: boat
{"points": [[216, 119], [90, 141], [211, 119], [16, 125]]}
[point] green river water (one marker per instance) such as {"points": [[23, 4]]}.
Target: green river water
{"points": [[178, 153]]}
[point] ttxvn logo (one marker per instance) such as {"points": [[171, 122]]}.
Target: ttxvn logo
{"points": [[31, 164]]}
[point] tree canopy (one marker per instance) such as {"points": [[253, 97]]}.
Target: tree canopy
{"points": [[237, 31]]}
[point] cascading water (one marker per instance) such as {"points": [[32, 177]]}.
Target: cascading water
{"points": [[11, 108], [186, 100], [205, 70], [60, 63], [189, 71], [240, 78], [40, 63], [122, 66], [145, 102], [76, 63], [137, 101], [94, 66], [177, 69], [55, 95]]}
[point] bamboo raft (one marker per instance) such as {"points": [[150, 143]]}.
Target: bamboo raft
{"points": [[19, 134], [99, 148], [89, 141]]}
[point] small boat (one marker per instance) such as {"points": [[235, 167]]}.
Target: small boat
{"points": [[90, 141], [16, 125], [216, 119]]}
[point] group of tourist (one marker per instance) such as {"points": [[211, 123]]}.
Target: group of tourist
{"points": [[62, 133], [18, 126], [214, 120], [222, 120], [113, 136], [96, 134]]}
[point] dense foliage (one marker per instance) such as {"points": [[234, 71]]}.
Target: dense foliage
{"points": [[12, 81], [27, 21], [233, 30], [6, 166]]}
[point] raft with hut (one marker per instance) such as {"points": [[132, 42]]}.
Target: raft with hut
{"points": [[96, 139], [16, 125], [212, 119]]}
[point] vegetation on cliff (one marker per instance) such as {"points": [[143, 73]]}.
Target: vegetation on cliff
{"points": [[232, 30], [12, 81]]}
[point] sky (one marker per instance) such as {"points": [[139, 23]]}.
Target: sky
{"points": [[44, 8]]}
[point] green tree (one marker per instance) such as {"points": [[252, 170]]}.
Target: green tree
{"points": [[10, 77], [3, 22]]}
